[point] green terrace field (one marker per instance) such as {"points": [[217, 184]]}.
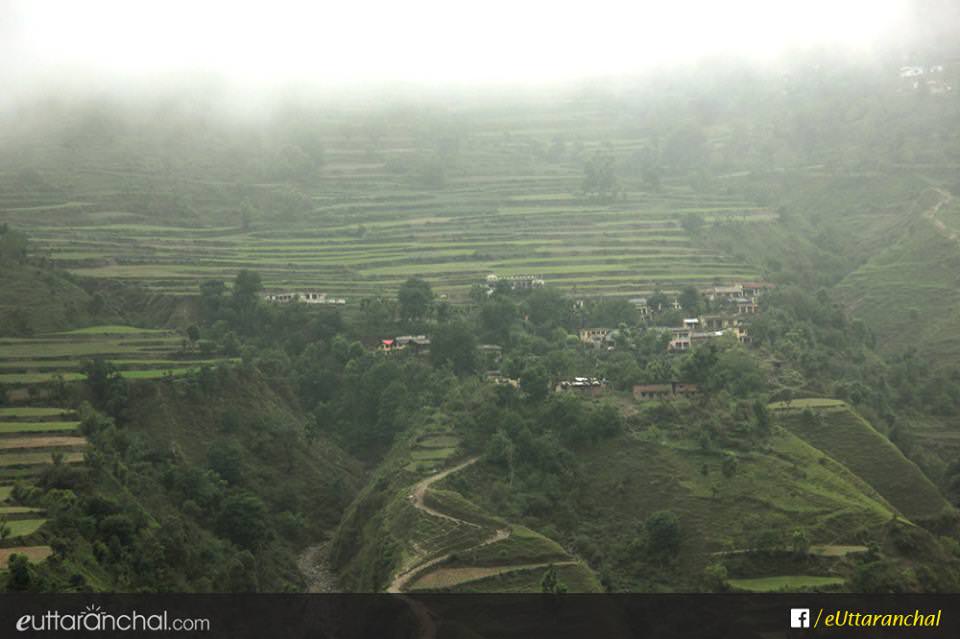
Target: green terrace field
{"points": [[363, 223], [30, 439], [788, 583], [137, 354], [851, 440]]}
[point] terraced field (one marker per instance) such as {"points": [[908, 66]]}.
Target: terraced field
{"points": [[450, 543], [787, 583], [839, 431], [359, 227], [137, 354], [26, 448]]}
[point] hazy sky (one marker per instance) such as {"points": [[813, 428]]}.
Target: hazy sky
{"points": [[434, 41]]}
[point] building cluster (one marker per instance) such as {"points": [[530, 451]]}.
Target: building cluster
{"points": [[310, 297], [734, 303], [412, 343], [693, 331], [649, 392], [514, 282], [930, 79], [592, 386]]}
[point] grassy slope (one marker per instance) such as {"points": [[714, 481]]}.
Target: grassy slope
{"points": [[383, 533], [909, 295], [851, 440], [789, 485], [310, 476], [42, 299]]}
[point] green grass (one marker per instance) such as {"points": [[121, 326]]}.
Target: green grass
{"points": [[37, 427], [851, 440], [5, 492], [31, 459], [24, 527], [432, 454], [523, 546], [625, 479], [439, 441], [114, 330], [787, 583], [18, 510], [576, 578], [32, 411], [814, 402], [39, 378]]}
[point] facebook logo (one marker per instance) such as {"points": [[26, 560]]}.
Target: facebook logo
{"points": [[799, 617]]}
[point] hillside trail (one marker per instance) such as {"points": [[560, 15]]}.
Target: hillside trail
{"points": [[313, 565], [417, 499], [931, 215]]}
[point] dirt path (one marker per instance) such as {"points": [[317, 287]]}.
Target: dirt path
{"points": [[448, 577], [417, 499], [313, 565], [931, 214]]}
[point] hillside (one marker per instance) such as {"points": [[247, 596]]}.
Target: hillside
{"points": [[909, 291], [785, 486], [847, 437], [212, 471], [404, 535], [34, 299]]}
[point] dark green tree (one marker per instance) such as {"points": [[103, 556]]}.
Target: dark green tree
{"points": [[454, 344], [663, 532], [414, 298]]}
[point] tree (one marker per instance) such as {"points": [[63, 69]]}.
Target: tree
{"points": [[692, 223], [535, 382], [243, 520], [454, 344], [414, 299], [20, 574], [547, 307], [689, 299], [211, 299], [193, 333], [246, 289], [551, 583], [715, 577], [226, 459], [600, 177], [799, 541], [663, 532], [497, 316], [107, 387], [658, 301], [501, 451], [14, 245], [762, 414], [5, 529]]}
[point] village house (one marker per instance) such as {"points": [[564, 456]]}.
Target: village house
{"points": [[515, 282], [723, 293], [648, 392], [747, 306], [700, 337], [640, 303], [756, 289], [680, 340], [717, 322], [415, 343], [587, 385], [594, 336], [304, 298], [500, 380]]}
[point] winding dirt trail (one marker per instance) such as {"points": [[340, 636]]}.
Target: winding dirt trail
{"points": [[417, 499], [931, 214]]}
